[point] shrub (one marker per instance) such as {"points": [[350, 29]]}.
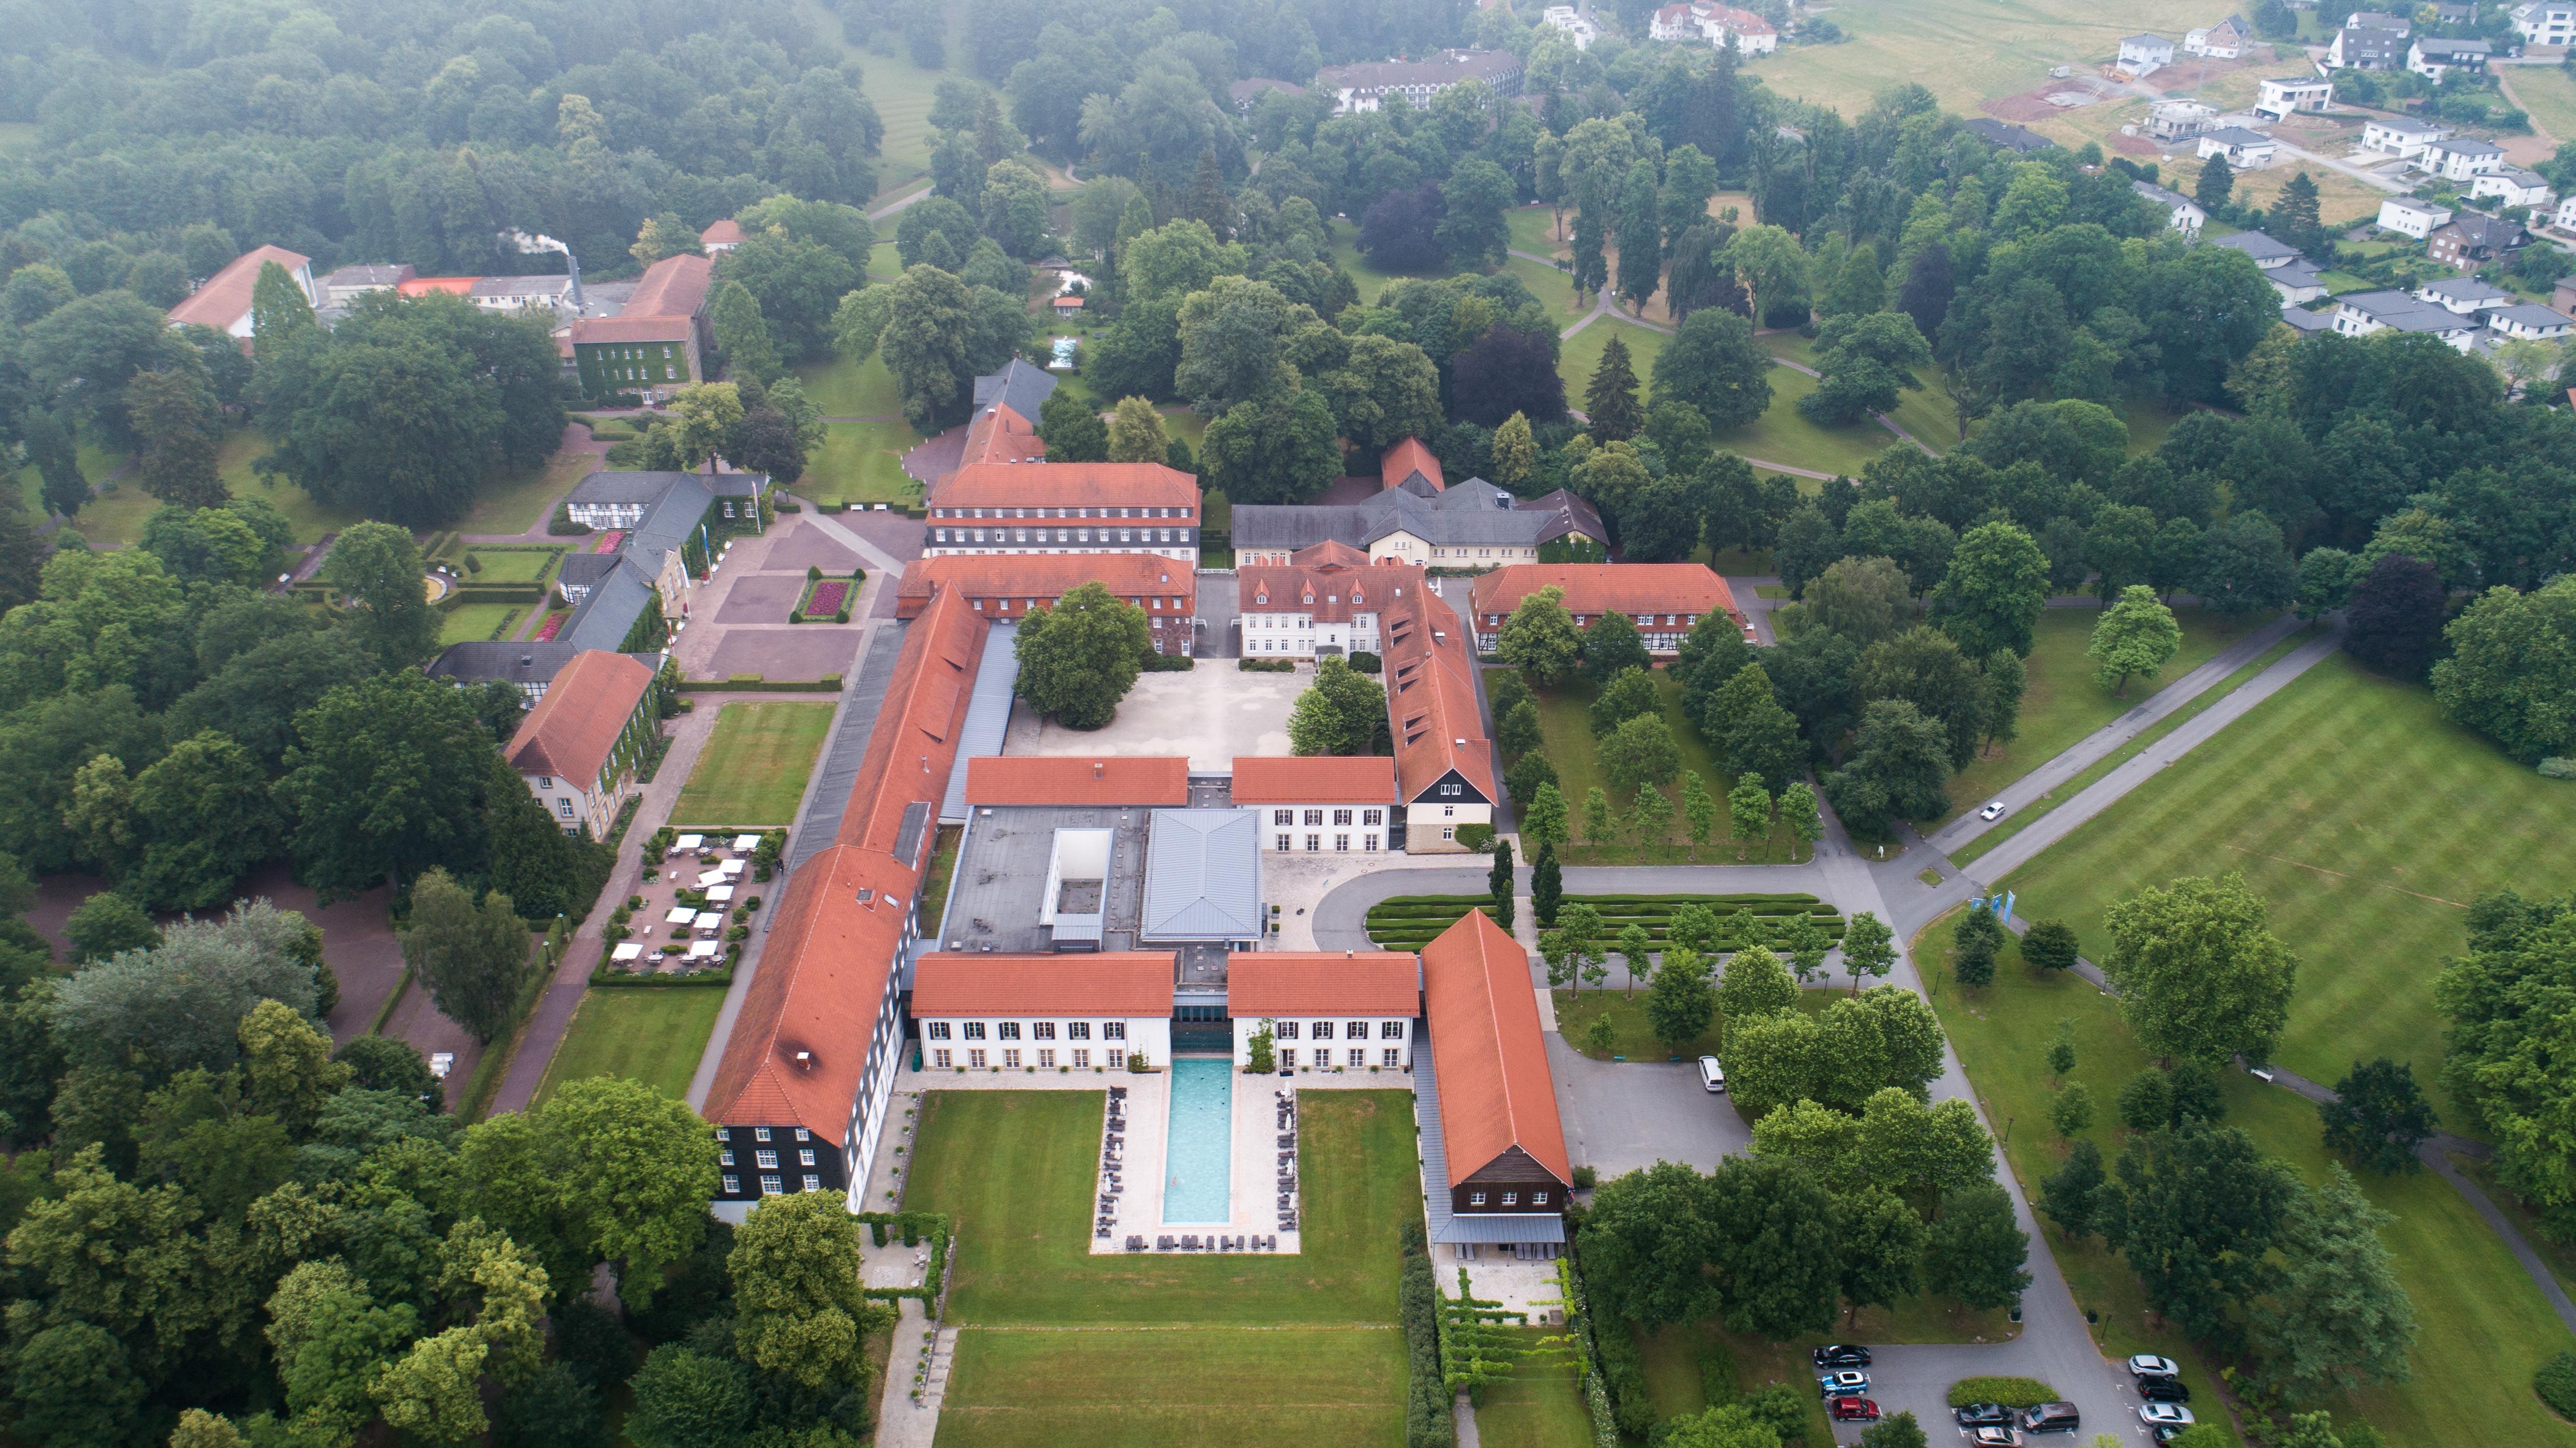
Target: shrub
{"points": [[1365, 662], [1169, 663], [813, 574], [473, 564], [2558, 769], [2011, 1392], [562, 526], [1267, 666], [2556, 1384], [1479, 838]]}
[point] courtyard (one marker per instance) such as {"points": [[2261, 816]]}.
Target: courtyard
{"points": [[1211, 714], [738, 621]]}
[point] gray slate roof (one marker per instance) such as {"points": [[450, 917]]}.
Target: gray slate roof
{"points": [[2238, 136], [2014, 138], [2437, 45], [2466, 289], [1202, 876], [2468, 146], [1022, 388], [2529, 314], [2307, 321], [2297, 274], [674, 504], [580, 570], [2161, 195], [482, 661], [2264, 250], [2476, 228], [608, 486], [1471, 512], [2406, 313]]}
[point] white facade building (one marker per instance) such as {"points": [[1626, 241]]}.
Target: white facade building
{"points": [[2224, 41], [1052, 1013], [2144, 55], [2287, 94], [2400, 136], [1577, 26], [1320, 804], [2512, 186], [2409, 217], [1326, 1010], [2243, 150], [1719, 25], [2546, 22], [2462, 158]]}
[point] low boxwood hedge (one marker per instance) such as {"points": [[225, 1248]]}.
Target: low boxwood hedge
{"points": [[2011, 1392]]}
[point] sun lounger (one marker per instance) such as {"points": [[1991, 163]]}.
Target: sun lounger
{"points": [[1162, 1244]]}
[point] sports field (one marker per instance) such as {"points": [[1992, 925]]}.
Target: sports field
{"points": [[753, 769]]}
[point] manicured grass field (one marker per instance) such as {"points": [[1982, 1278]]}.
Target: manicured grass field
{"points": [[514, 565], [1367, 278], [754, 767], [1553, 288], [844, 389], [2367, 820], [519, 502], [1016, 1168], [1783, 435], [1576, 1011], [1340, 1387], [2482, 1328], [2061, 703], [651, 1035], [1541, 1404], [1581, 353], [469, 622], [861, 462]]}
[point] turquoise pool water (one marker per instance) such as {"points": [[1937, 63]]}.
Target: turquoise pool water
{"points": [[1198, 1145]]}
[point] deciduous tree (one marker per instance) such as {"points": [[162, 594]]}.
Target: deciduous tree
{"points": [[2135, 635], [1712, 364], [1540, 639], [2339, 1321], [2378, 1117], [1976, 1249], [1994, 591], [2200, 974], [1080, 656], [472, 959]]}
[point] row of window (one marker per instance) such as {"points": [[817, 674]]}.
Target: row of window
{"points": [[632, 354], [1643, 620], [1038, 1030], [1315, 843], [1351, 1030], [1353, 1057], [1157, 603], [1114, 1057], [1062, 535], [643, 374], [1059, 512], [769, 1185], [1316, 817], [1510, 1199], [766, 1160], [761, 1133]]}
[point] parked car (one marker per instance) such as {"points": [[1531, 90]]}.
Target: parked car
{"points": [[1847, 1383], [2052, 1418], [2156, 1415], [1853, 1410], [1840, 1354], [2164, 1390], [1992, 812], [2164, 1433], [1713, 1076], [1985, 1415], [1993, 1438], [2148, 1365]]}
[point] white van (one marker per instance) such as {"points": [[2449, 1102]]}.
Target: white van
{"points": [[1710, 1075]]}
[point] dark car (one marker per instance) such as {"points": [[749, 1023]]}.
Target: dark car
{"points": [[2164, 1390], [1841, 1355], [1853, 1410], [1985, 1415], [2052, 1418]]}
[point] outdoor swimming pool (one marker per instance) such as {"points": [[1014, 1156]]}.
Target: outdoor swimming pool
{"points": [[1198, 1145]]}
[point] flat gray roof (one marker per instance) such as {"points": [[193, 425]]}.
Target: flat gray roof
{"points": [[1001, 875], [1203, 876], [988, 713]]}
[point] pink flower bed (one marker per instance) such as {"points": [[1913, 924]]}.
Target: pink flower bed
{"points": [[828, 598], [610, 542], [553, 625]]}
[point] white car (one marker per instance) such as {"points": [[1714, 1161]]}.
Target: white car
{"points": [[1992, 812], [2148, 1365], [2164, 1415], [1711, 1075]]}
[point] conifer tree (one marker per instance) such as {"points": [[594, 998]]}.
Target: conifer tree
{"points": [[1611, 400]]}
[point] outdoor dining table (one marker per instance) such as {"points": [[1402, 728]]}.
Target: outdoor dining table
{"points": [[688, 844], [680, 915], [745, 844], [627, 950], [710, 877], [719, 894], [710, 921], [703, 950]]}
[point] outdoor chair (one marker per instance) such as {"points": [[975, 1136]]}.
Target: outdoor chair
{"points": [[1135, 1243], [1162, 1244]]}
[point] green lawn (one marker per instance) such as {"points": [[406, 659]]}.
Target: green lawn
{"points": [[515, 565], [2549, 94], [1576, 1010], [2482, 1328], [1783, 435], [1541, 1404], [471, 622], [842, 389], [862, 462], [1534, 229], [900, 91], [653, 1035], [517, 502], [2060, 702], [2366, 819], [753, 770], [1553, 288], [1369, 279], [1581, 353], [1565, 720], [1338, 1387]]}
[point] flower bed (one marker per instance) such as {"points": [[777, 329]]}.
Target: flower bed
{"points": [[828, 597], [610, 541], [553, 625]]}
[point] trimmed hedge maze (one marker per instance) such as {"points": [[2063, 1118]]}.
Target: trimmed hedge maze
{"points": [[1409, 922]]}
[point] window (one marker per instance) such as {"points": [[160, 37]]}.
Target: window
{"points": [[1042, 1031], [1475, 1199], [545, 781], [1341, 844], [1511, 1199], [769, 1186], [1283, 816], [803, 1135], [1046, 1060], [1285, 1030], [1113, 1031], [1314, 844], [1391, 1030], [1315, 817], [1117, 1058], [1010, 1060], [1538, 1199], [1391, 1057], [1368, 844], [813, 1183], [1448, 832], [765, 1160], [975, 1060], [1450, 788], [1323, 1030], [1341, 816], [760, 1133], [1283, 842], [564, 808], [1081, 1059], [1077, 1031], [1287, 1057], [732, 1184], [725, 1157], [974, 1030], [1448, 812], [1355, 1030], [1010, 1031], [938, 1030], [942, 1059], [805, 1156]]}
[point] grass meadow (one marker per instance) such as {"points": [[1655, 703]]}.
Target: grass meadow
{"points": [[655, 1035], [753, 769]]}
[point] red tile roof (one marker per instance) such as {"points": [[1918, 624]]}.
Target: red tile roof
{"points": [[1431, 696], [1318, 779], [225, 298], [1111, 983], [1068, 303], [915, 741], [1000, 435], [1048, 576], [675, 286], [1266, 983], [426, 286], [633, 329], [1076, 780], [1069, 485], [1332, 581], [1593, 589], [576, 724], [723, 232], [1491, 1060], [1407, 458]]}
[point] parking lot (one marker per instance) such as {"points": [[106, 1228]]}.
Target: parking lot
{"points": [[1621, 1115]]}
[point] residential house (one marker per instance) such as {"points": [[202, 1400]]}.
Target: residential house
{"points": [[222, 301], [2304, 321], [529, 667], [654, 346], [2298, 283], [2546, 22], [1663, 599], [811, 1058], [721, 236], [2400, 136], [2175, 120], [2565, 220], [2181, 212], [1043, 1012], [1315, 804], [1007, 588], [2462, 158], [2283, 96], [2360, 48], [2472, 240], [578, 749], [629, 600], [1718, 25], [1367, 86], [2529, 322], [2224, 41], [347, 284], [2409, 217], [2143, 55], [2464, 296], [2378, 20], [1068, 308], [1335, 1010], [2436, 56], [1444, 763], [2020, 140], [2359, 314], [2266, 252], [2563, 298], [1247, 94], [1416, 518], [1494, 1165], [2243, 150], [2455, 14], [1019, 509], [1325, 602], [2511, 186], [520, 296], [1575, 25]]}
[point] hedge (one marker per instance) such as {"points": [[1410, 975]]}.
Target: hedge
{"points": [[1409, 922], [1427, 1410], [828, 684], [607, 975], [2011, 1392], [1169, 663], [1268, 666]]}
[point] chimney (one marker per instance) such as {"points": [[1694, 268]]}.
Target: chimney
{"points": [[1099, 770], [804, 1060]]}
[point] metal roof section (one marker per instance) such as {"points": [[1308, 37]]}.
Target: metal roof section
{"points": [[839, 772], [1202, 876], [988, 714], [1448, 1226]]}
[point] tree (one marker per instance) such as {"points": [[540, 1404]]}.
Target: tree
{"points": [[204, 815], [2199, 973], [1798, 811], [1515, 454], [2215, 183], [107, 923], [2340, 1320], [1748, 813], [1755, 984], [1897, 768], [740, 329], [1699, 810], [75, 1386], [2511, 674], [2006, 678], [1730, 1426], [1545, 820], [1994, 591], [1650, 819], [2049, 945], [1277, 448], [1777, 1264], [1863, 599], [1400, 231], [176, 418], [1610, 399], [1972, 961], [2072, 1110], [1975, 1251], [1640, 752], [384, 780], [1342, 712], [1547, 881], [1612, 646], [1713, 365], [379, 573], [1808, 543], [1499, 885], [2378, 1117], [2072, 1195], [1540, 639], [2199, 1210], [1080, 656], [2293, 218], [2393, 621], [1644, 1241], [1073, 432], [1471, 227], [473, 960], [2135, 635], [800, 1310], [925, 344], [278, 309], [1881, 1244], [2245, 566], [1772, 268], [1869, 948], [1136, 433], [686, 1399], [1679, 1002]]}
